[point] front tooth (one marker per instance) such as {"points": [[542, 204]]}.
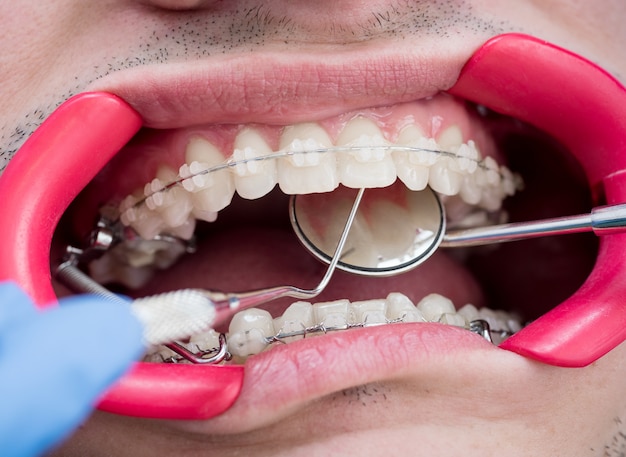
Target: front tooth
{"points": [[248, 332], [387, 223], [369, 312], [360, 247], [306, 172], [433, 306], [412, 167], [210, 192], [332, 315], [296, 318], [445, 174], [368, 166], [399, 306], [253, 178]]}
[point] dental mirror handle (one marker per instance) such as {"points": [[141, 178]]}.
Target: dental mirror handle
{"points": [[603, 220]]}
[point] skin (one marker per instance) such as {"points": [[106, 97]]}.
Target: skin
{"points": [[61, 47]]}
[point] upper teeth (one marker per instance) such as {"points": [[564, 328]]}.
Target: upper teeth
{"points": [[205, 184], [306, 162]]}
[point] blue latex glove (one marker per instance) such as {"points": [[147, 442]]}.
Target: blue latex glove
{"points": [[55, 364]]}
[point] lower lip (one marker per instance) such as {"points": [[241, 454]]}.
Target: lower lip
{"points": [[590, 122], [287, 377]]}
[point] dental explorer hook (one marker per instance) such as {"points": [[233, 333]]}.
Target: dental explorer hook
{"points": [[227, 304]]}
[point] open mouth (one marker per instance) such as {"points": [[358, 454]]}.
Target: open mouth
{"points": [[433, 143], [248, 244]]}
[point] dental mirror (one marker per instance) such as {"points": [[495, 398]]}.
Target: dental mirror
{"points": [[395, 229]]}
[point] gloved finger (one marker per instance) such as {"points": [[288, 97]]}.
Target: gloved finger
{"points": [[14, 304], [55, 366]]}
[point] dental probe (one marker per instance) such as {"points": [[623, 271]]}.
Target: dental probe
{"points": [[603, 220], [182, 313]]}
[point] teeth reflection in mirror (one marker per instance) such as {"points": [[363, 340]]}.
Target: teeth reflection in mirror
{"points": [[369, 166], [369, 312], [387, 224], [253, 178], [399, 306], [298, 316], [209, 192], [248, 331], [308, 172], [433, 306], [360, 248], [332, 314]]}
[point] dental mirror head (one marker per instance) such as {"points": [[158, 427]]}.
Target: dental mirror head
{"points": [[395, 229]]}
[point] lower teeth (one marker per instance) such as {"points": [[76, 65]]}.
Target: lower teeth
{"points": [[253, 331]]}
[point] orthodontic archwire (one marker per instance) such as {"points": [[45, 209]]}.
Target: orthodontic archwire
{"points": [[220, 353], [232, 163], [478, 326]]}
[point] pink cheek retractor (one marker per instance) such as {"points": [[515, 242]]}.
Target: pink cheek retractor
{"points": [[559, 92], [46, 174]]}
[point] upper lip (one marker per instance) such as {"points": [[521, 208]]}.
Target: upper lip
{"points": [[279, 88], [203, 95]]}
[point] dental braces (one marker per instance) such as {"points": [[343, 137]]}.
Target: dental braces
{"points": [[234, 163], [220, 354], [478, 326], [211, 356], [109, 232]]}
